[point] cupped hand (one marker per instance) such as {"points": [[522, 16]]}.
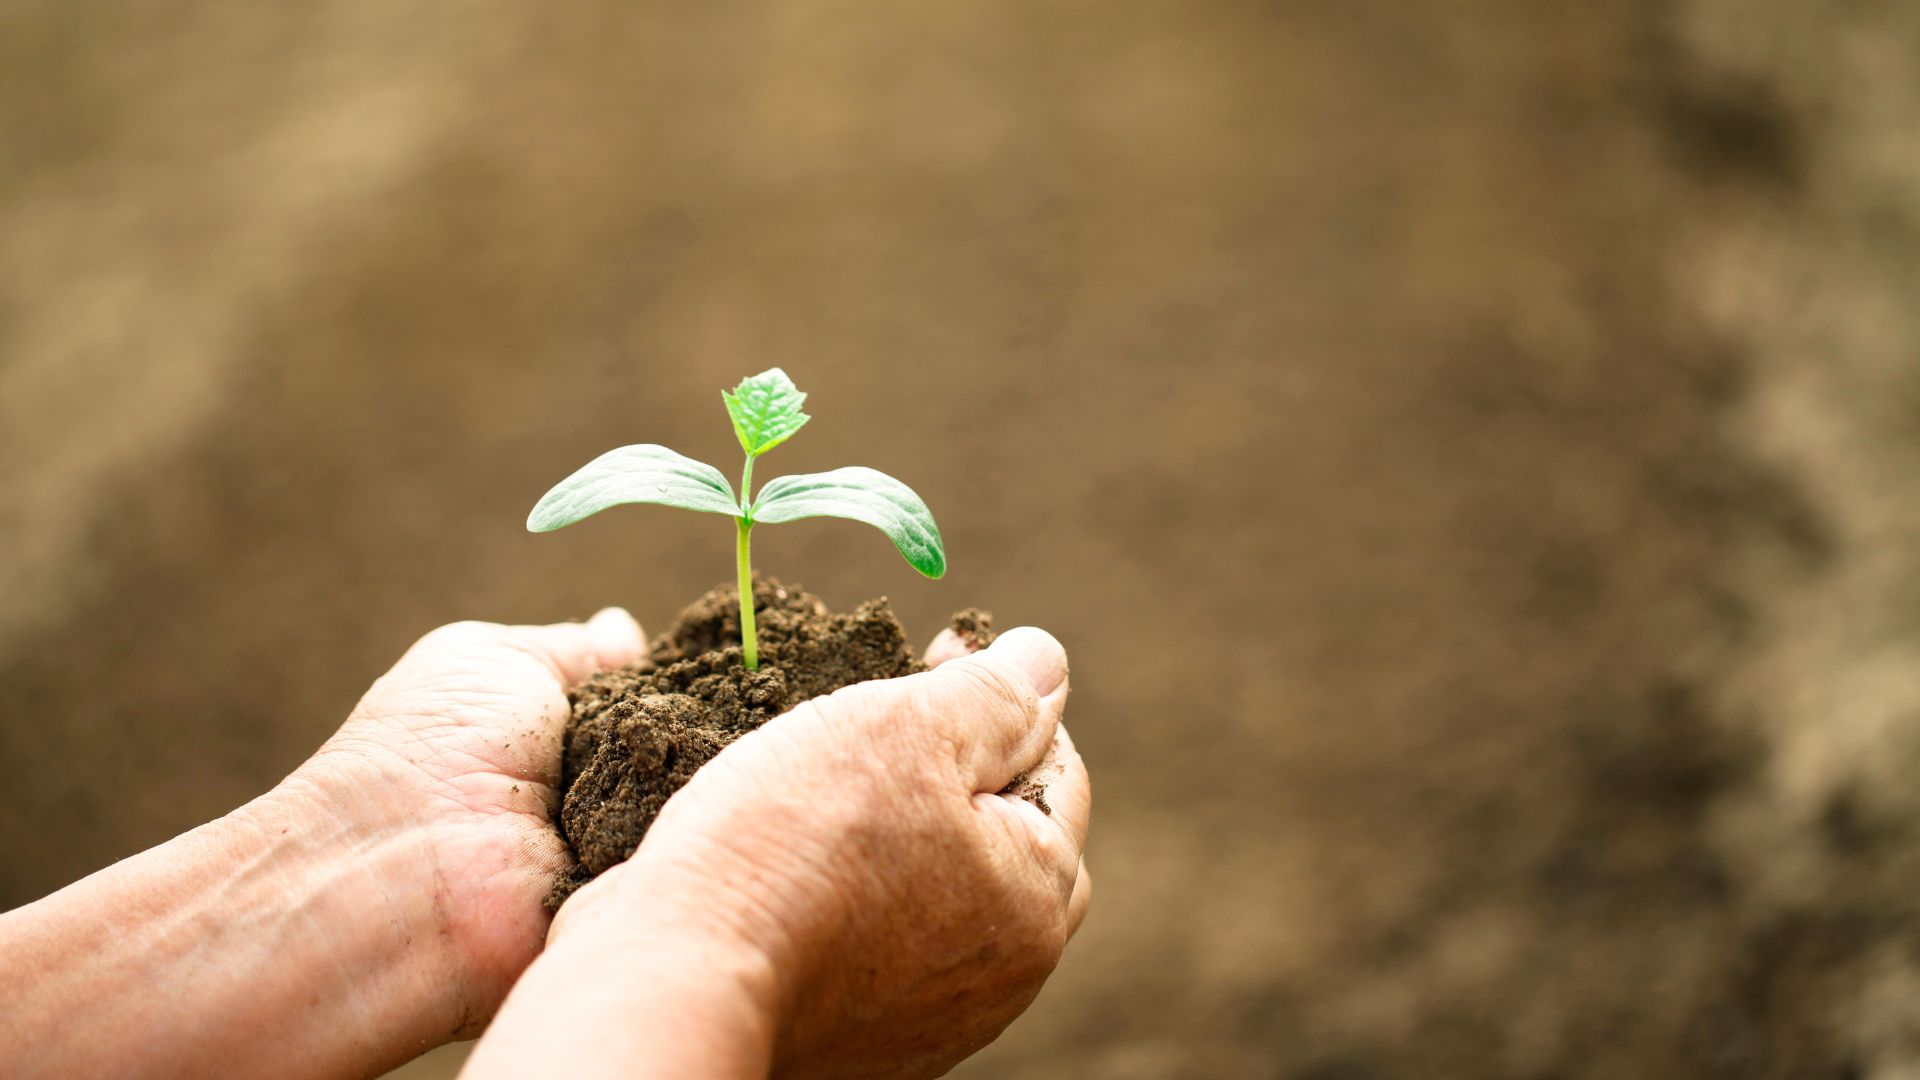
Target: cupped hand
{"points": [[451, 762], [853, 870]]}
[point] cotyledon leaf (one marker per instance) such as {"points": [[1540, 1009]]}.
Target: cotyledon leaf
{"points": [[646, 473], [766, 410], [859, 494]]}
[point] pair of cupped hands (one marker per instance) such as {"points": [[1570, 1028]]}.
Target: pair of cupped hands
{"points": [[844, 892]]}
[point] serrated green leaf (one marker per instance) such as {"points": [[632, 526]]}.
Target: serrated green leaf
{"points": [[858, 494], [634, 474], [766, 410]]}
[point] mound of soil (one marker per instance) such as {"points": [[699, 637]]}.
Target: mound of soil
{"points": [[639, 733]]}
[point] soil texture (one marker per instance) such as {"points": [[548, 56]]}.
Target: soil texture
{"points": [[638, 734]]}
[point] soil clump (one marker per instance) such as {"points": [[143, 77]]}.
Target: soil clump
{"points": [[637, 734]]}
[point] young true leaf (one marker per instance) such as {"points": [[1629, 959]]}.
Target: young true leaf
{"points": [[634, 474], [766, 412], [860, 494]]}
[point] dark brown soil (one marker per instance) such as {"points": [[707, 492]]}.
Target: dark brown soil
{"points": [[975, 627], [638, 734]]}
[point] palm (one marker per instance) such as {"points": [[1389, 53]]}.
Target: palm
{"points": [[458, 749]]}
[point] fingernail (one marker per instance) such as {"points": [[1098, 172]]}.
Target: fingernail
{"points": [[1037, 654]]}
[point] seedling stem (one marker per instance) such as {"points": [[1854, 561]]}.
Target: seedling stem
{"points": [[765, 410]]}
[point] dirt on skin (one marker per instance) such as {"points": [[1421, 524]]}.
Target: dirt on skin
{"points": [[638, 734]]}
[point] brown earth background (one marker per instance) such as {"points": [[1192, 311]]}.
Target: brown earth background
{"points": [[1468, 449]]}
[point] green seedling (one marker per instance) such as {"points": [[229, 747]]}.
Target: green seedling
{"points": [[766, 412]]}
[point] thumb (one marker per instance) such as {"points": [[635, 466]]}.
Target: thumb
{"points": [[1001, 704]]}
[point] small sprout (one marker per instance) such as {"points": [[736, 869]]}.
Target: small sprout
{"points": [[766, 412]]}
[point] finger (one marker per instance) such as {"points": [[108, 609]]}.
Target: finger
{"points": [[1061, 780], [1000, 705], [610, 639], [1081, 898], [488, 676], [948, 645], [1048, 809]]}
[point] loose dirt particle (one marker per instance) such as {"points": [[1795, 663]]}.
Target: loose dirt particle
{"points": [[975, 627]]}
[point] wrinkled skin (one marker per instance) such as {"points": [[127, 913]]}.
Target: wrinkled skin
{"points": [[842, 893], [858, 841], [457, 748], [376, 903], [907, 911]]}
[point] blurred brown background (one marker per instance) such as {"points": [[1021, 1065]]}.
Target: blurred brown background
{"points": [[1468, 450]]}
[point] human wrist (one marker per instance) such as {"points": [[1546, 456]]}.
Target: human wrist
{"points": [[632, 914], [272, 931], [656, 995], [374, 859], [337, 828], [362, 918]]}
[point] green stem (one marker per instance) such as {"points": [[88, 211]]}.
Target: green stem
{"points": [[749, 640], [749, 643]]}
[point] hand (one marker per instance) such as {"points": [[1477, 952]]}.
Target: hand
{"points": [[840, 893], [457, 749], [375, 904]]}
